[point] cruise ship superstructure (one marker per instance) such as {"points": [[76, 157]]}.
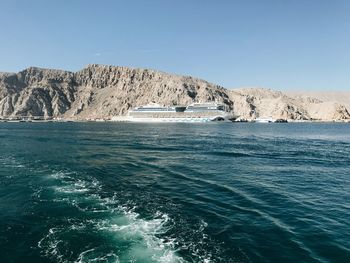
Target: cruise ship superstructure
{"points": [[195, 112]]}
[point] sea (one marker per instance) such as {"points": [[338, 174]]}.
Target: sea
{"points": [[176, 192]]}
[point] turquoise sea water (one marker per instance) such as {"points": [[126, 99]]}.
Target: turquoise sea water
{"points": [[117, 192]]}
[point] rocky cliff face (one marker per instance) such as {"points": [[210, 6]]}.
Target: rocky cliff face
{"points": [[104, 91], [251, 103], [36, 92], [340, 96]]}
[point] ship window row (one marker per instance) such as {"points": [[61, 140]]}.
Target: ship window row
{"points": [[155, 109], [205, 108]]}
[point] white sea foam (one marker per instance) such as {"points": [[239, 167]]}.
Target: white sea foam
{"points": [[119, 223], [142, 235], [70, 189], [91, 255], [59, 175], [49, 244]]}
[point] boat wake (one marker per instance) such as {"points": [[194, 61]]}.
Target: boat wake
{"points": [[83, 220], [119, 233]]}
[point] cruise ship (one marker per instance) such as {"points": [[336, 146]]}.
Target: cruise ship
{"points": [[195, 112]]}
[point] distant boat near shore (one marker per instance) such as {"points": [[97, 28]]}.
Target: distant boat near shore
{"points": [[265, 120], [270, 120]]}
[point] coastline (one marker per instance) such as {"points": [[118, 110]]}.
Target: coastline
{"points": [[126, 119]]}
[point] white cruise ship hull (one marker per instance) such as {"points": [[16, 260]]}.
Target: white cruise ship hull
{"points": [[189, 119]]}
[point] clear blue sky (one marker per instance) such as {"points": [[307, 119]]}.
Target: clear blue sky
{"points": [[280, 44]]}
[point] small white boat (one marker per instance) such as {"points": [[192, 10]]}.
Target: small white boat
{"points": [[265, 120]]}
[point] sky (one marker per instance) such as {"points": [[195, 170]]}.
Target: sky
{"points": [[278, 44]]}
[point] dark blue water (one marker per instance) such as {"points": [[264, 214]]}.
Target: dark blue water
{"points": [[114, 192]]}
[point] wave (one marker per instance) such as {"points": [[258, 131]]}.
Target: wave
{"points": [[94, 255], [10, 162]]}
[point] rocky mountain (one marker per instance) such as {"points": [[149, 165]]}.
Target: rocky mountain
{"points": [[340, 96], [251, 103], [99, 91]]}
